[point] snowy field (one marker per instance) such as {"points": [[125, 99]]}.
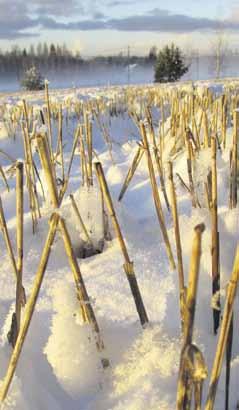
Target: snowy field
{"points": [[60, 367]]}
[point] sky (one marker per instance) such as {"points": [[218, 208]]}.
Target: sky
{"points": [[109, 26]]}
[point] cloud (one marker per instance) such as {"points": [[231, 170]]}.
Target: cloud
{"points": [[18, 16], [165, 22], [154, 21], [85, 25], [18, 19], [56, 8], [158, 12], [116, 3], [14, 20], [98, 15], [14, 35]]}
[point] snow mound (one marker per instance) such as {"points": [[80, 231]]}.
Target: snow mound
{"points": [[152, 357], [71, 348]]}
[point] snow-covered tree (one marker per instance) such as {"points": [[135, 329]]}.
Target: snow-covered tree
{"points": [[32, 80]]}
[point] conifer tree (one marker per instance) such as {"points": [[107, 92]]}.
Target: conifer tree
{"points": [[170, 65]]}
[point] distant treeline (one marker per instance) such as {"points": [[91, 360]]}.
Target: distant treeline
{"points": [[58, 57]]}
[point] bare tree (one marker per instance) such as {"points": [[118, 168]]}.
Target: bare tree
{"points": [[220, 51]]}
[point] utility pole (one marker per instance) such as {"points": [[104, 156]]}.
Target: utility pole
{"points": [[197, 62], [128, 65]]}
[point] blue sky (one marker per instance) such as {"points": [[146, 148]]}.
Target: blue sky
{"points": [[105, 26]]}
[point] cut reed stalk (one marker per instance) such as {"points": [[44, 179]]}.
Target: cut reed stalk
{"points": [[83, 227], [228, 365], [25, 113], [20, 224], [223, 336], [7, 240], [206, 131], [215, 237], [66, 181], [47, 167], [193, 283], [30, 163], [235, 158], [84, 171], [30, 307], [161, 177], [128, 265], [136, 161], [86, 307], [60, 143], [189, 168], [183, 183], [48, 111], [156, 197], [184, 389], [4, 178], [89, 149], [32, 199], [173, 200]]}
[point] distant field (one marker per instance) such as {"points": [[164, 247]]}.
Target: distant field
{"points": [[201, 69]]}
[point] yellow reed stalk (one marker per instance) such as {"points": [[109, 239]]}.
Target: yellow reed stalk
{"points": [[128, 265], [47, 167], [156, 197], [173, 201], [223, 336], [29, 310], [19, 218]]}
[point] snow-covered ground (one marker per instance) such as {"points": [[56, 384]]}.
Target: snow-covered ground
{"points": [[60, 367]]}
